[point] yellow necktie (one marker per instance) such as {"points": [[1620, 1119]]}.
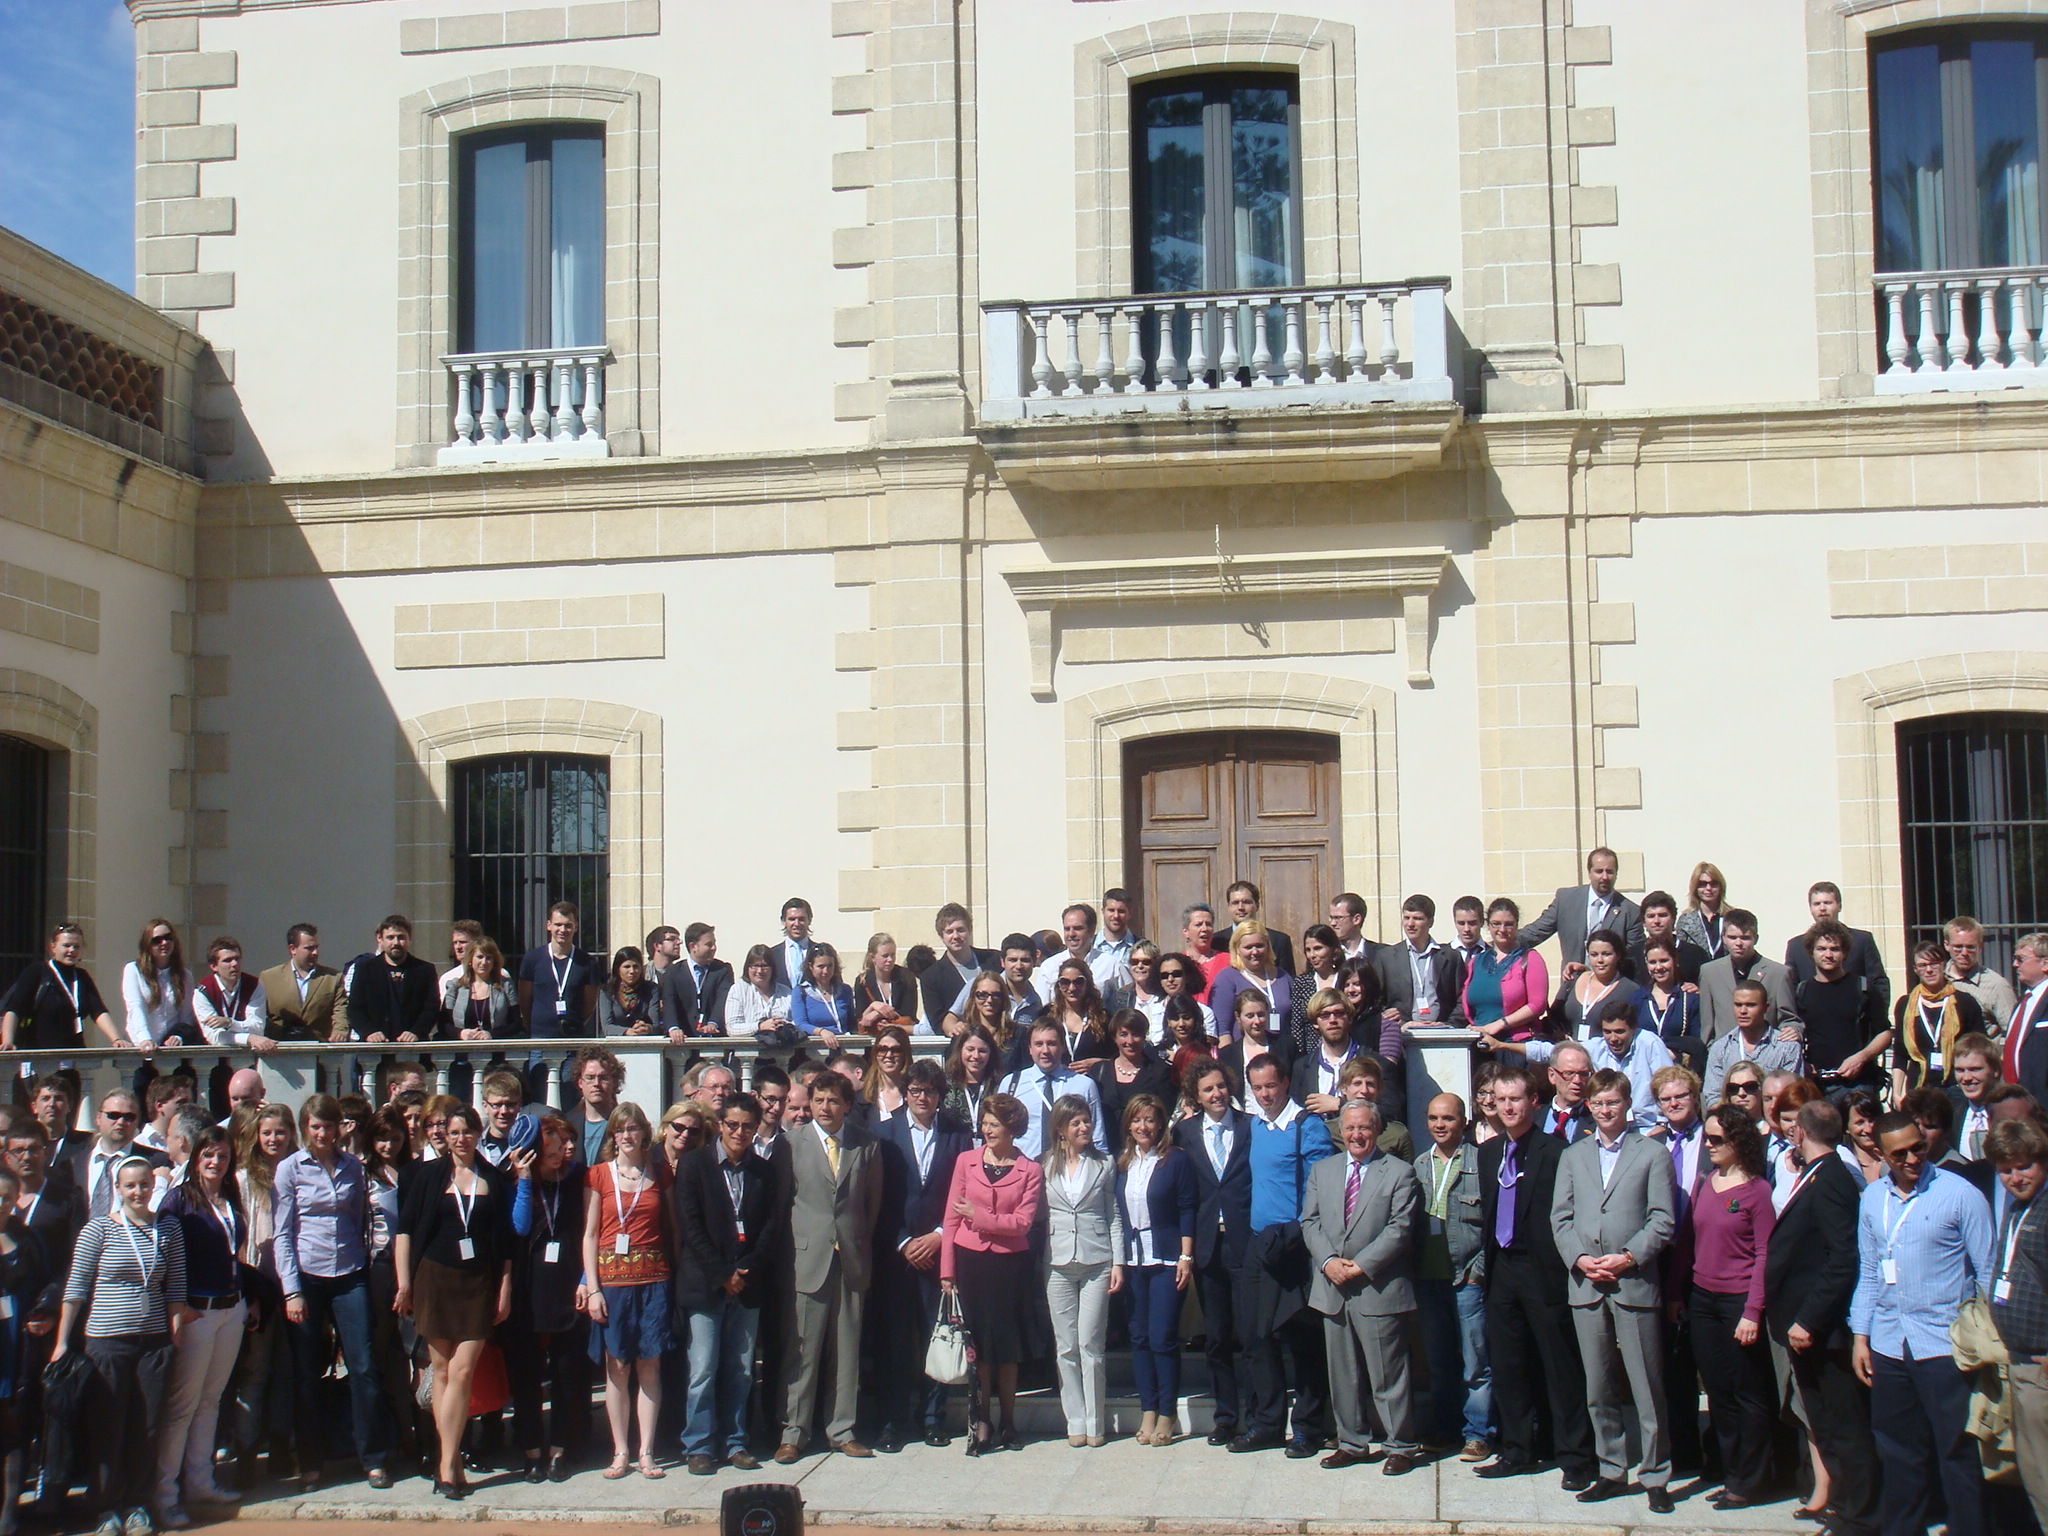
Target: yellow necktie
{"points": [[832, 1155]]}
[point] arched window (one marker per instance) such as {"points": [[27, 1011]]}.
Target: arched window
{"points": [[532, 829], [24, 853], [1973, 826]]}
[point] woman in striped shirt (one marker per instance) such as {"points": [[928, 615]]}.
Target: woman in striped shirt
{"points": [[128, 1279]]}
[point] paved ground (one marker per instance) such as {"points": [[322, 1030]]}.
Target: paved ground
{"points": [[1048, 1485]]}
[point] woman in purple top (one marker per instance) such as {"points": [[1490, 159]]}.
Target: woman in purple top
{"points": [[1718, 1273], [1251, 969]]}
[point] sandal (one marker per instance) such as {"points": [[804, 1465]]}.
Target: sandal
{"points": [[649, 1470], [620, 1466]]}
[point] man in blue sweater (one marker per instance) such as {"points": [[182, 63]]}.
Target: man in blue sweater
{"points": [[1286, 1141]]}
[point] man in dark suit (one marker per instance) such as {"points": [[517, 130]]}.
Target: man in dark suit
{"points": [[89, 1169], [1529, 1332], [1419, 972], [1217, 1141], [788, 953], [1824, 903], [1566, 1116], [732, 1219], [1660, 921], [1577, 912], [2026, 1041], [1809, 1278], [1243, 900], [919, 1148], [959, 962], [393, 994], [693, 989]]}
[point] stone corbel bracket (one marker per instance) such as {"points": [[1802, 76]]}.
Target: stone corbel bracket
{"points": [[1043, 591]]}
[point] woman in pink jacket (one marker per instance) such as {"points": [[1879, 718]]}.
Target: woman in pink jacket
{"points": [[985, 1260]]}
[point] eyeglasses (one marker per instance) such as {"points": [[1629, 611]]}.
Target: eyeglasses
{"points": [[920, 1091]]}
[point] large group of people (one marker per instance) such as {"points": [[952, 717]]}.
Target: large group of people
{"points": [[1685, 1176]]}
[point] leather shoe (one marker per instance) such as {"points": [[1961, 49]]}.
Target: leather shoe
{"points": [[743, 1460], [1475, 1450], [889, 1444], [1299, 1449], [1256, 1443], [701, 1466], [1603, 1489], [1223, 1434], [1575, 1482], [1398, 1462], [1500, 1466], [377, 1477], [938, 1441], [1660, 1501], [1341, 1458], [786, 1455], [854, 1449]]}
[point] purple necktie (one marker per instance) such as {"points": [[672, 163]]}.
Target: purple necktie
{"points": [[1504, 1212], [1351, 1191], [1678, 1143]]}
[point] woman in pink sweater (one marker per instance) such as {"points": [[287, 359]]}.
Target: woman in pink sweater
{"points": [[985, 1260]]}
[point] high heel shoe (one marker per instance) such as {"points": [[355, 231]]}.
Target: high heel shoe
{"points": [[1009, 1440], [447, 1490]]}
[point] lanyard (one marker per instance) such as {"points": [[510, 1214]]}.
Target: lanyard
{"points": [[619, 1201], [72, 989], [1446, 1176], [1664, 1015], [2012, 1243], [1895, 1221], [155, 1250], [562, 976], [461, 1210], [223, 1213], [548, 1208]]}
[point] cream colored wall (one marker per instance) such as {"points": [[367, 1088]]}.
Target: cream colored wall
{"points": [[1715, 231], [1735, 662], [130, 682], [747, 286], [746, 692]]}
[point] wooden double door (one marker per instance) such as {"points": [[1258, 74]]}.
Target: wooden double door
{"points": [[1206, 809]]}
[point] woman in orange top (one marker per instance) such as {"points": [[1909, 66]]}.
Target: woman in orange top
{"points": [[629, 1247], [985, 1260]]}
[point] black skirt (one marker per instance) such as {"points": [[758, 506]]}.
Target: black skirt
{"points": [[1002, 1300]]}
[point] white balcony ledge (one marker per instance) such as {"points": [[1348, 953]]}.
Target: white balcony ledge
{"points": [[525, 407], [1261, 349], [1964, 330]]}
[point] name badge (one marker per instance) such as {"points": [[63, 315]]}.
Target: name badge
{"points": [[622, 1244], [1889, 1268], [1436, 1226], [466, 1248], [6, 1306], [739, 1229], [1999, 1292], [1934, 1061], [551, 1254], [561, 1005]]}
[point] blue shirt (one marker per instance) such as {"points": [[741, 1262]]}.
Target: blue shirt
{"points": [[1647, 1056], [1038, 1091], [323, 1219], [555, 1007], [1940, 1244], [1283, 1150]]}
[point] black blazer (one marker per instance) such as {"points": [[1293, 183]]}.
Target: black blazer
{"points": [[1577, 1128], [1223, 1207], [422, 1217], [913, 1206], [1397, 979], [710, 1243], [1232, 1058], [56, 1222], [376, 1007], [1691, 957], [1173, 1201], [73, 1167], [1153, 1078], [1538, 1156], [1811, 1266], [684, 1008], [903, 996], [940, 986], [1303, 1073], [775, 956]]}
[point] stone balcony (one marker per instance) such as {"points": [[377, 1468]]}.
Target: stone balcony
{"points": [[523, 407], [1962, 330]]}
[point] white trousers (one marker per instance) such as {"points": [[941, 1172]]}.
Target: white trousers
{"points": [[199, 1377], [1078, 1297]]}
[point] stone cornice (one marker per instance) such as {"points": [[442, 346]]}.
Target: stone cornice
{"points": [[95, 494]]}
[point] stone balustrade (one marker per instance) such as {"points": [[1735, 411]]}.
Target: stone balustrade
{"points": [[523, 406], [1349, 345], [1962, 330]]}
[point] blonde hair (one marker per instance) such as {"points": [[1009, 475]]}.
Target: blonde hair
{"points": [[1705, 871], [1250, 928], [1065, 1112]]}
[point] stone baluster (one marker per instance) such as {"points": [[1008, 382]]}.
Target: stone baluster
{"points": [[539, 421], [1390, 349], [565, 413], [1354, 354], [1198, 344], [1105, 356], [465, 418], [1229, 360], [1326, 353], [593, 397], [1170, 373], [1928, 346], [441, 1070], [1895, 327], [1958, 332], [1262, 346], [1990, 343], [515, 401], [1293, 358], [1134, 339], [1041, 361], [493, 426], [2022, 335], [1072, 366], [552, 1064]]}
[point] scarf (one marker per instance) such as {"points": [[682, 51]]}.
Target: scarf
{"points": [[1945, 1037]]}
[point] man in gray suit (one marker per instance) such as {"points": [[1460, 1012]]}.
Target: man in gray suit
{"points": [[837, 1171], [1577, 912], [1613, 1211], [1741, 962], [1358, 1219]]}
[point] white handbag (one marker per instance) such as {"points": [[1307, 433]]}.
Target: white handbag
{"points": [[947, 1356]]}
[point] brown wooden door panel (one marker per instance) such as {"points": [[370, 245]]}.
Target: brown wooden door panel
{"points": [[1202, 810]]}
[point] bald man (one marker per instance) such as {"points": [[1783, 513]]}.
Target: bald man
{"points": [[245, 1091], [1449, 1291]]}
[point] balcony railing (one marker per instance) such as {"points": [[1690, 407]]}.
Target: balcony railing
{"points": [[527, 405], [1962, 330], [1362, 344]]}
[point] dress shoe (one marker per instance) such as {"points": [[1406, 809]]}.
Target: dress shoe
{"points": [[1577, 1482], [889, 1444], [1341, 1458], [938, 1441], [378, 1477], [786, 1455], [1475, 1450], [447, 1490], [558, 1467], [1256, 1443], [1298, 1450], [701, 1466], [1223, 1434], [743, 1460], [854, 1449], [1660, 1501], [1603, 1489], [1398, 1462], [1500, 1466], [536, 1471], [1726, 1500]]}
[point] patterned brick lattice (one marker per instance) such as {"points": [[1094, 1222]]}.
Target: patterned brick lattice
{"points": [[42, 346]]}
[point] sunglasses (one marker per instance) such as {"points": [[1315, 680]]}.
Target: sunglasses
{"points": [[118, 1116], [1176, 974], [1073, 981], [1907, 1154], [1716, 1141], [162, 938]]}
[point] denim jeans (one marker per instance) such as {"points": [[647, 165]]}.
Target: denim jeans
{"points": [[346, 1300], [1460, 1380], [721, 1363]]}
